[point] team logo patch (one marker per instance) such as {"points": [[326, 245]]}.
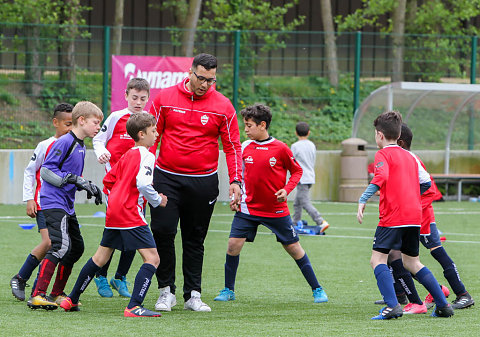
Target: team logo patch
{"points": [[379, 164], [34, 157], [272, 161], [58, 152], [204, 119], [249, 160], [104, 128], [148, 170]]}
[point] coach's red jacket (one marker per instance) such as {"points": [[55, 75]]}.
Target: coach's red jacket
{"points": [[189, 127]]}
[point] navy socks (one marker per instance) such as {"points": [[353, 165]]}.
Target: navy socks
{"points": [[84, 278], [142, 283], [385, 285], [28, 267], [426, 278], [307, 271], [231, 266], [404, 278], [449, 270], [124, 264]]}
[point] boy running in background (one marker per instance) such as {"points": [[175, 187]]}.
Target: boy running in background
{"points": [[264, 200], [61, 173], [397, 178], [110, 144], [305, 153], [127, 185], [62, 121]]}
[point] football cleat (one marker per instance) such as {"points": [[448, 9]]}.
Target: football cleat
{"points": [[414, 308], [446, 311], [68, 305], [120, 285], [103, 288], [463, 301], [430, 302], [139, 311], [225, 295], [319, 295], [18, 287], [389, 313], [42, 302], [324, 226]]}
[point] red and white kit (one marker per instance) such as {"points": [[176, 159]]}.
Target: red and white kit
{"points": [[265, 166]]}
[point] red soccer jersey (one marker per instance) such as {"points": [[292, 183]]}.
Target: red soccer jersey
{"points": [[189, 127], [122, 183], [396, 173], [265, 166], [428, 216]]}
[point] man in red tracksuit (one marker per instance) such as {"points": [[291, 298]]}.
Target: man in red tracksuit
{"points": [[191, 116]]}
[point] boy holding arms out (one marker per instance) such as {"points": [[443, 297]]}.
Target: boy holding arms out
{"points": [[264, 200], [305, 152], [127, 185], [61, 173], [62, 121], [110, 144], [397, 178]]}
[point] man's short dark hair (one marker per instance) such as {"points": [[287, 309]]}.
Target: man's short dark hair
{"points": [[139, 84], [406, 136], [205, 60], [302, 129], [390, 124], [258, 113], [62, 107], [139, 121]]}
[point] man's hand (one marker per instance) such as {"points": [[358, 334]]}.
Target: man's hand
{"points": [[235, 194], [361, 208], [164, 201], [31, 208], [281, 195], [104, 158]]}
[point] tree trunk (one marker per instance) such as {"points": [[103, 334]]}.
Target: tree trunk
{"points": [[330, 45], [188, 38], [33, 61], [398, 37], [117, 27], [67, 72]]}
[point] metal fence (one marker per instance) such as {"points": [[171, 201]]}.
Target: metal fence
{"points": [[289, 70]]}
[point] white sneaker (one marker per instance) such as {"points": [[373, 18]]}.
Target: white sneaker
{"points": [[166, 301], [195, 303]]}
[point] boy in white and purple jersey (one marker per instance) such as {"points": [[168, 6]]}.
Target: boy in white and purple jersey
{"points": [[266, 162], [110, 144], [62, 121], [61, 173]]}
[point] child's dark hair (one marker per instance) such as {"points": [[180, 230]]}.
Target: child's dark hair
{"points": [[139, 84], [302, 129], [258, 113], [139, 121], [205, 60], [390, 124], [406, 136], [62, 107]]}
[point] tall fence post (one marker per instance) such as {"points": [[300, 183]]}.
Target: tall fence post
{"points": [[106, 68], [236, 68], [356, 83], [473, 80]]}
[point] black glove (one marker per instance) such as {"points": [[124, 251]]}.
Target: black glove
{"points": [[82, 184], [97, 193]]}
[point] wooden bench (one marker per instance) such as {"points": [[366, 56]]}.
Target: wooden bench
{"points": [[457, 178]]}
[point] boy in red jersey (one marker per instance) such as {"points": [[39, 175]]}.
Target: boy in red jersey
{"points": [[110, 144], [62, 121], [397, 178], [264, 200], [127, 185]]}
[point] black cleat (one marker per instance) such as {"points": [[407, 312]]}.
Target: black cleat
{"points": [[463, 301], [389, 313], [446, 311], [18, 287]]}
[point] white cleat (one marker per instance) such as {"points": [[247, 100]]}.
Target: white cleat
{"points": [[166, 300], [195, 303]]}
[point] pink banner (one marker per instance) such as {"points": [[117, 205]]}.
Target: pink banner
{"points": [[160, 71]]}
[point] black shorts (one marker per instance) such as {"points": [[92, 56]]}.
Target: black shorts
{"points": [[128, 239], [246, 225], [41, 223], [431, 240], [404, 239]]}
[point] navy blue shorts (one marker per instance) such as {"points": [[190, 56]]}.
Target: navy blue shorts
{"points": [[246, 225], [431, 240], [41, 223], [128, 239], [404, 239]]}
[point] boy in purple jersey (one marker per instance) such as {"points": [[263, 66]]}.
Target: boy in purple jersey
{"points": [[61, 173]]}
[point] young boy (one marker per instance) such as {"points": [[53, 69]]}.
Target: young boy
{"points": [[127, 185], [397, 177], [110, 144], [61, 173], [264, 201], [62, 121], [305, 152], [431, 240]]}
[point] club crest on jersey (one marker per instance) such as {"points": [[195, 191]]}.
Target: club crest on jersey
{"points": [[249, 160], [272, 161], [204, 119]]}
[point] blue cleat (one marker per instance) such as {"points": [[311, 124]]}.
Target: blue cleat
{"points": [[389, 313], [225, 295], [102, 286], [319, 295], [120, 285]]}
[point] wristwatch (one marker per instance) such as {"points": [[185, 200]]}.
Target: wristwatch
{"points": [[237, 182]]}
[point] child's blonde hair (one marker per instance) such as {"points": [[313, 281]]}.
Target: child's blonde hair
{"points": [[86, 109]]}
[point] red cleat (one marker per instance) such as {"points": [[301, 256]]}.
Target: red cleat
{"points": [[430, 302], [68, 305]]}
